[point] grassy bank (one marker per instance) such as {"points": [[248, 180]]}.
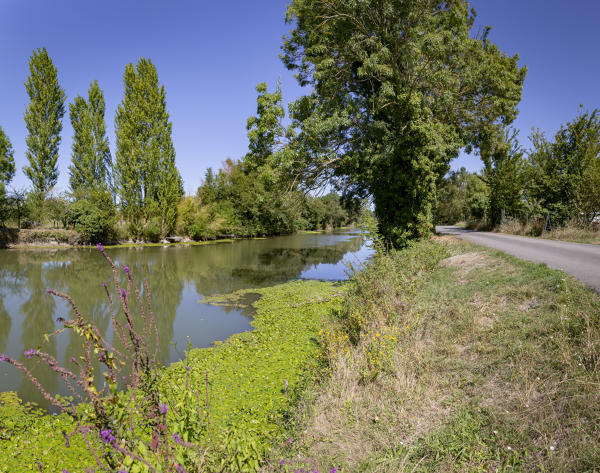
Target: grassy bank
{"points": [[452, 357], [254, 379], [572, 233]]}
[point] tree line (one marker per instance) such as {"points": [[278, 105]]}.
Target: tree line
{"points": [[554, 182], [140, 193]]}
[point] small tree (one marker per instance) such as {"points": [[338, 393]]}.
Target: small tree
{"points": [[43, 119]]}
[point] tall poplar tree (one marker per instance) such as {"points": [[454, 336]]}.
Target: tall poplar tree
{"points": [[149, 182], [7, 162], [91, 161], [7, 171], [43, 119]]}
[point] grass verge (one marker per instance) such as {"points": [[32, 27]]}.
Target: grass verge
{"points": [[452, 357]]}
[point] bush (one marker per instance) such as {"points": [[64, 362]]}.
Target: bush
{"points": [[152, 230], [89, 221]]}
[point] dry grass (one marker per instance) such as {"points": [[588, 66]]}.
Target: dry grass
{"points": [[497, 368], [570, 232]]}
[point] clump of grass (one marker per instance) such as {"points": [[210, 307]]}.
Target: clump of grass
{"points": [[499, 370]]}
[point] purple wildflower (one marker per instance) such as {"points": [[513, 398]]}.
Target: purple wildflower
{"points": [[163, 408], [107, 436], [179, 469], [49, 291], [123, 293], [64, 471], [100, 246], [333, 470], [104, 285], [29, 353], [127, 270], [177, 438], [3, 357], [282, 462], [187, 368]]}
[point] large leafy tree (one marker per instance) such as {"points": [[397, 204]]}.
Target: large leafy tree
{"points": [[91, 161], [43, 119], [400, 86], [565, 172], [149, 182]]}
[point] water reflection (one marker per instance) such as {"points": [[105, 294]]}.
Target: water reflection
{"points": [[178, 277]]}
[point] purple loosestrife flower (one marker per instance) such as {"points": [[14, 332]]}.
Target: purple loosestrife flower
{"points": [[163, 408], [179, 469], [29, 353], [123, 293], [100, 246], [127, 270], [333, 470], [177, 438], [282, 462], [3, 357], [64, 471], [107, 436], [104, 285]]}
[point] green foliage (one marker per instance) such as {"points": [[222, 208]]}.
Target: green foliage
{"points": [[149, 182], [7, 172], [91, 161], [28, 435], [92, 218], [564, 174], [504, 173], [43, 118], [399, 88], [248, 403], [461, 196]]}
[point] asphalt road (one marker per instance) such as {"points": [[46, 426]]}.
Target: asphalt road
{"points": [[580, 260]]}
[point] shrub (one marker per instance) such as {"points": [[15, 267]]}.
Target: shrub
{"points": [[152, 230], [89, 221]]}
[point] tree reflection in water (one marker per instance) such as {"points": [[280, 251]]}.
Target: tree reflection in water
{"points": [[177, 276]]}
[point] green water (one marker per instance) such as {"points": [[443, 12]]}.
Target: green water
{"points": [[178, 277]]}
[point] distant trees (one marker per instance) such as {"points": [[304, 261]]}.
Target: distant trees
{"points": [[43, 119], [149, 184], [462, 197], [564, 174], [91, 163]]}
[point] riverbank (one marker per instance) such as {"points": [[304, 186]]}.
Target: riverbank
{"points": [[23, 239], [254, 380], [471, 360]]}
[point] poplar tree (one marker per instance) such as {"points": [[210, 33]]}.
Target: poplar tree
{"points": [[7, 171], [149, 182], [43, 119], [91, 160], [7, 162]]}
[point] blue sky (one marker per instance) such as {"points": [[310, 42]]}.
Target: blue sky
{"points": [[210, 56]]}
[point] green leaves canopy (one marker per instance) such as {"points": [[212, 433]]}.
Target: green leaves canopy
{"points": [[400, 86], [43, 119]]}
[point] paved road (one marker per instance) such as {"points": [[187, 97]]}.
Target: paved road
{"points": [[582, 261]]}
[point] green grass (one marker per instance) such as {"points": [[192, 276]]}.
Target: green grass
{"points": [[496, 368], [246, 374]]}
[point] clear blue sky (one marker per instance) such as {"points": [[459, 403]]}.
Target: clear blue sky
{"points": [[210, 55]]}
